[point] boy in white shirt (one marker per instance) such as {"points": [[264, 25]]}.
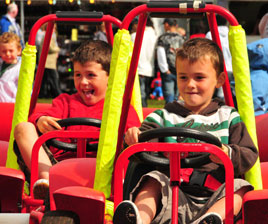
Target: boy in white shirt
{"points": [[10, 51]]}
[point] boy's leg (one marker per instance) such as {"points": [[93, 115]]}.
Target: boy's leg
{"points": [[145, 205], [216, 203], [148, 199], [219, 206], [26, 135]]}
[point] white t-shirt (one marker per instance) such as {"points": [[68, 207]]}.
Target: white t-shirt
{"points": [[146, 60]]}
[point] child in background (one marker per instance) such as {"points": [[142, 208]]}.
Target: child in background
{"points": [[10, 51], [200, 70], [91, 69], [156, 85]]}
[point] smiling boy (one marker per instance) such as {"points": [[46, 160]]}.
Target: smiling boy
{"points": [[91, 72], [10, 51], [199, 67]]}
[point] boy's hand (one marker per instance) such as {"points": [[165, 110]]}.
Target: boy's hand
{"points": [[131, 136], [215, 159], [47, 123]]}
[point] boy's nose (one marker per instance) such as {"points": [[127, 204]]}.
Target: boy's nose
{"points": [[190, 83], [84, 81]]}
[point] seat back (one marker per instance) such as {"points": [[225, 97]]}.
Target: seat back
{"points": [[3, 152], [71, 172], [11, 189], [7, 110], [262, 134]]}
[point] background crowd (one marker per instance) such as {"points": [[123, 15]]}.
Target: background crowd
{"points": [[156, 68]]}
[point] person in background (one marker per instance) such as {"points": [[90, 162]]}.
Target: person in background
{"points": [[8, 22], [166, 47], [38, 39], [258, 61], [50, 87], [10, 62], [223, 32], [100, 34], [146, 60], [263, 26]]}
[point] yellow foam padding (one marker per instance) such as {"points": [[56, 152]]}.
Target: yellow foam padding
{"points": [[23, 98], [112, 112], [241, 71], [109, 208]]}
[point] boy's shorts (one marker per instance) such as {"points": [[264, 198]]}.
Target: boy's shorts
{"points": [[22, 164], [189, 210]]}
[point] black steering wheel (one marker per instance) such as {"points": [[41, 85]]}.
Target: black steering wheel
{"points": [[158, 159], [70, 122]]}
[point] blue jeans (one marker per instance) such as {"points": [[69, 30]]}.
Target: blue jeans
{"points": [[169, 87], [145, 85]]}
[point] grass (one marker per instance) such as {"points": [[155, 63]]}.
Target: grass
{"points": [[151, 103], [156, 103], [43, 100]]}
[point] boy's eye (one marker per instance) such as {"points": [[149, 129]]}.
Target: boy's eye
{"points": [[182, 77], [200, 77], [77, 75], [91, 75]]}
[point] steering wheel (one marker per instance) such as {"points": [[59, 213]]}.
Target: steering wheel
{"points": [[158, 159], [71, 122]]}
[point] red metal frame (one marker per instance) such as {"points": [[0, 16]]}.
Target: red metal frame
{"points": [[51, 19], [143, 11], [81, 136], [122, 160]]}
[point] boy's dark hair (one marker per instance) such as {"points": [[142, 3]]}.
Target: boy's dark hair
{"points": [[94, 50], [8, 37], [195, 48]]}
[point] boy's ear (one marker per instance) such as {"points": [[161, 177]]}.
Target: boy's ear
{"points": [[19, 51], [220, 80]]}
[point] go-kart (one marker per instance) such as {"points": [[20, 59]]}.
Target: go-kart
{"points": [[82, 189]]}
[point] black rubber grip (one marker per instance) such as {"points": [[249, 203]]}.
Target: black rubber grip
{"points": [[79, 14], [79, 121], [172, 4], [178, 131]]}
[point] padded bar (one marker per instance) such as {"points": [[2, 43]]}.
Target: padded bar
{"points": [[79, 14], [176, 15], [174, 4]]}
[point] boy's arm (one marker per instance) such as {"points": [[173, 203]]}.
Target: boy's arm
{"points": [[47, 123], [58, 109], [243, 152]]}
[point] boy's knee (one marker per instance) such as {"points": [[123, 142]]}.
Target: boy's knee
{"points": [[242, 191], [22, 128], [153, 184]]}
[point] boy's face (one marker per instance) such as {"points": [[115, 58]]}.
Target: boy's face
{"points": [[197, 82], [9, 52], [90, 81]]}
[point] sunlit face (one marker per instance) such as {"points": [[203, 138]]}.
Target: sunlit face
{"points": [[14, 12], [9, 52], [197, 82], [90, 81]]}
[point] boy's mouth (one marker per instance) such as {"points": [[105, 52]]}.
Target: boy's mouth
{"points": [[89, 93]]}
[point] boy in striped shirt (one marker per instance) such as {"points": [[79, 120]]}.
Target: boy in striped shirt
{"points": [[200, 70]]}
